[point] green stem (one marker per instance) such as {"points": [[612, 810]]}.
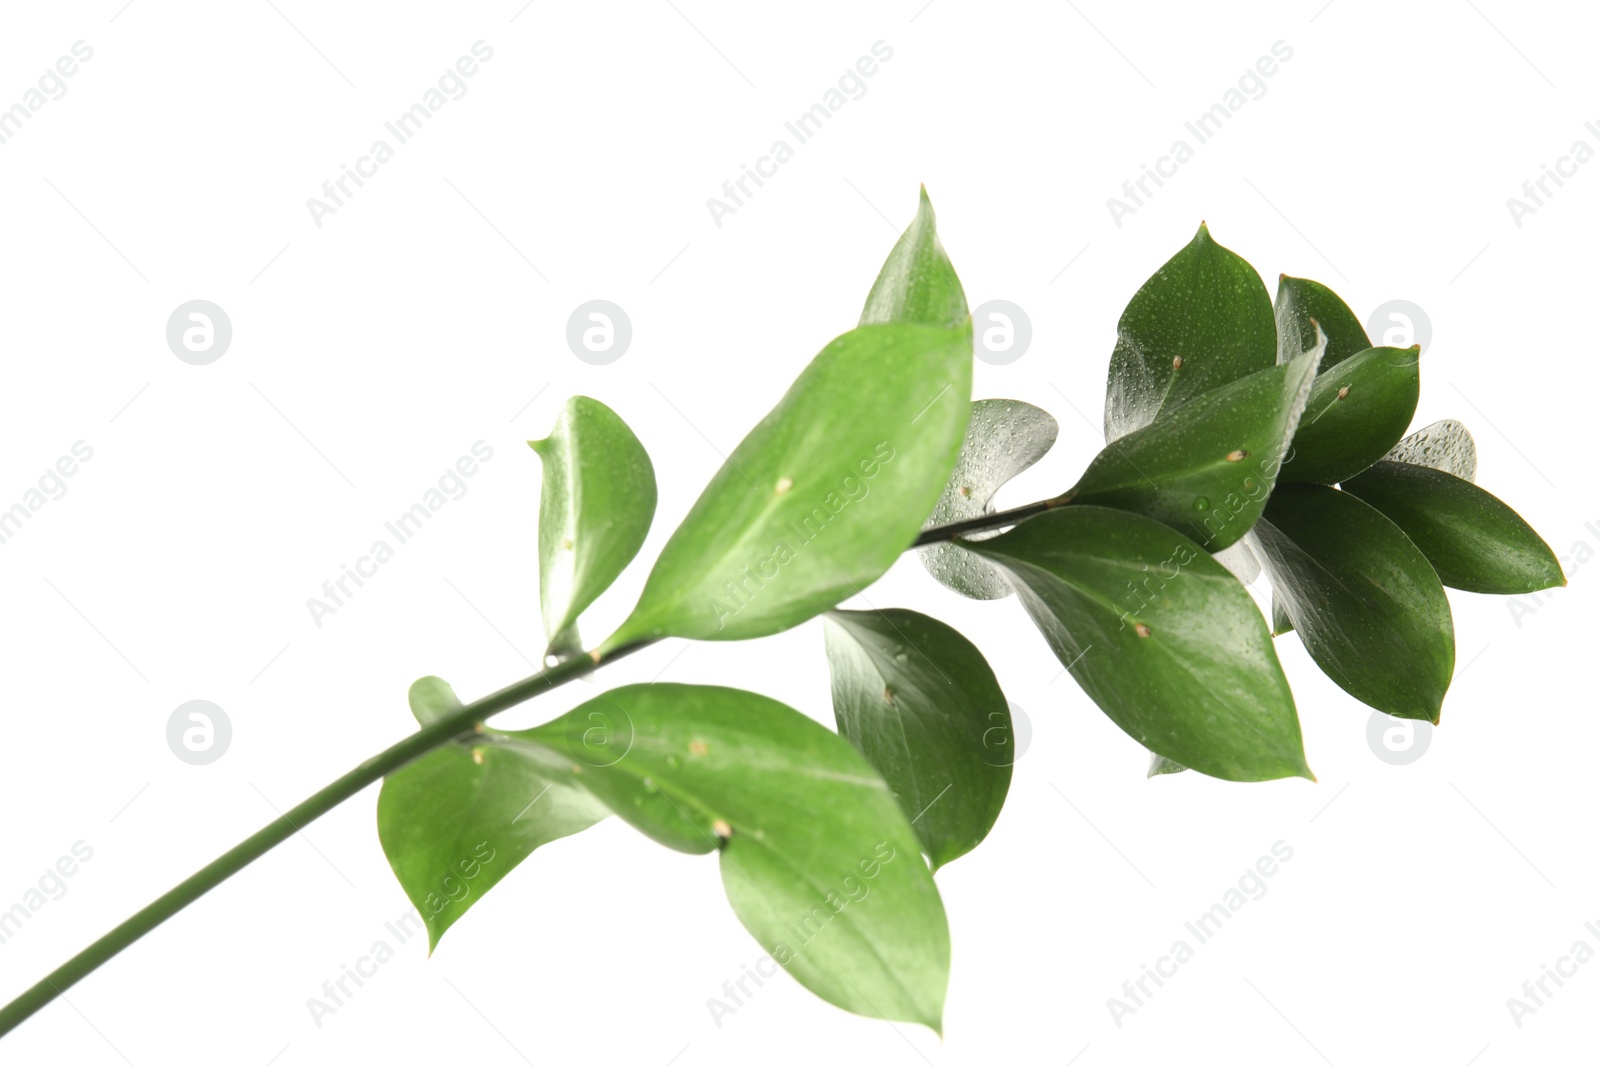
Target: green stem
{"points": [[390, 759], [992, 521], [253, 847]]}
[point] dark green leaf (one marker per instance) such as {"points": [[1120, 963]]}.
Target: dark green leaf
{"points": [[922, 705], [1203, 320], [917, 283], [822, 496], [456, 821], [1207, 466], [1445, 445], [1160, 635], [1363, 599], [1474, 541], [1302, 306], [818, 861], [1357, 412], [1004, 438], [595, 507]]}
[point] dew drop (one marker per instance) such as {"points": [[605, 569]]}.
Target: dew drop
{"points": [[1201, 503], [672, 763]]}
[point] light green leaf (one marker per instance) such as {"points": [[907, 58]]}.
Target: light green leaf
{"points": [[1206, 466], [921, 704], [1304, 305], [917, 283], [1472, 539], [818, 861], [456, 821], [1445, 445], [1162, 765], [1201, 321], [595, 507], [1363, 599], [1004, 438], [822, 496], [1160, 635], [1240, 560], [1357, 412], [1281, 623]]}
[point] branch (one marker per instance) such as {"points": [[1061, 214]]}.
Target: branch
{"points": [[419, 744]]}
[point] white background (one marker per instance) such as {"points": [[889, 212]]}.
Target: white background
{"points": [[429, 313]]}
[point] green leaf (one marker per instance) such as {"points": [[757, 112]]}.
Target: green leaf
{"points": [[1240, 561], [1445, 445], [1362, 597], [1304, 305], [1004, 438], [917, 283], [818, 861], [1357, 412], [1207, 466], [457, 820], [1201, 321], [921, 704], [1162, 765], [595, 507], [1281, 623], [822, 496], [1160, 635], [1472, 539]]}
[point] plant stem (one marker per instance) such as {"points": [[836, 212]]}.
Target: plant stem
{"points": [[253, 847], [390, 759], [993, 521]]}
